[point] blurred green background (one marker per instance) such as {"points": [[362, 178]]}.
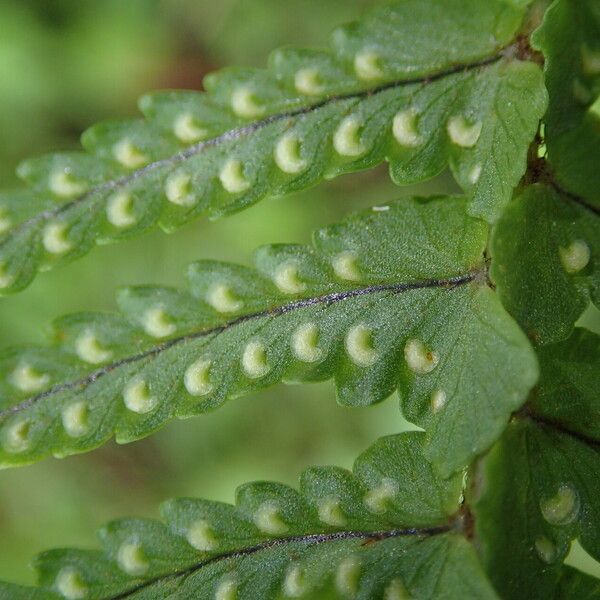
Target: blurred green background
{"points": [[65, 64]]}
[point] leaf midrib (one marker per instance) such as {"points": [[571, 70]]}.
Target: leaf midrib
{"points": [[309, 539], [238, 132], [327, 299]]}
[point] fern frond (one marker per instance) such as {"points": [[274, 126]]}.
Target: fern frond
{"points": [[421, 84], [393, 297], [567, 394], [543, 481], [560, 235], [390, 529], [570, 41], [9, 591], [558, 222], [542, 478], [575, 584]]}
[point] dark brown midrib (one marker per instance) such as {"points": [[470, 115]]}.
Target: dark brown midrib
{"points": [[579, 200], [239, 132], [557, 425], [327, 299], [311, 539]]}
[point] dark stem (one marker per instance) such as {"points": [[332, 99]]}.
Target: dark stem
{"points": [[574, 198], [540, 171], [557, 425]]}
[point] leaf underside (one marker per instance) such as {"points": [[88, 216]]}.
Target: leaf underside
{"points": [[575, 584], [568, 392], [389, 529], [549, 291], [538, 488], [394, 297], [541, 491], [570, 40], [420, 84]]}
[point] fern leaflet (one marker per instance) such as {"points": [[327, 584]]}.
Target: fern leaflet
{"points": [[570, 40], [391, 529], [420, 84], [394, 297], [542, 477], [548, 292], [567, 394]]}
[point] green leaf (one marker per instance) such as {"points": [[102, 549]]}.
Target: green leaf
{"points": [[575, 584], [546, 262], [538, 491], [567, 394], [9, 591], [395, 296], [421, 84], [570, 41], [391, 528]]}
